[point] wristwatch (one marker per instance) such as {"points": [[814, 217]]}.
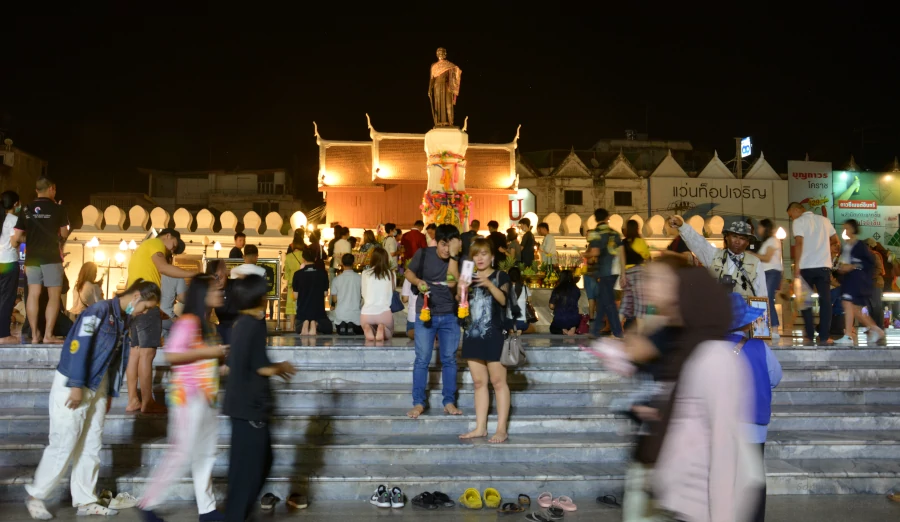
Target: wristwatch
{"points": [[455, 258]]}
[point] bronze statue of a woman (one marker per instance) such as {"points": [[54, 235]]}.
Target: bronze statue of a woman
{"points": [[443, 88]]}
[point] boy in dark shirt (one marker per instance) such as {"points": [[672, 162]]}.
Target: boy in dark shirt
{"points": [[248, 399]]}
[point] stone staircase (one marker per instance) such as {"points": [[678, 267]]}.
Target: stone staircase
{"points": [[341, 429]]}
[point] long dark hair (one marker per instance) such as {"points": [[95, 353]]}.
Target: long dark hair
{"points": [[767, 226], [515, 277], [564, 286], [195, 301], [632, 230], [380, 263], [149, 291]]}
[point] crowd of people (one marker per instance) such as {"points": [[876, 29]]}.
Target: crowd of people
{"points": [[703, 405]]}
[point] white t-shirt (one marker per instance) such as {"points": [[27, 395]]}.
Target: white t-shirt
{"points": [[390, 244], [521, 301], [776, 263], [411, 303], [347, 288], [8, 254], [816, 232], [376, 293], [341, 247]]}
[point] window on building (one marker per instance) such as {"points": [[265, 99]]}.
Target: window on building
{"points": [[622, 199], [266, 183], [574, 197]]}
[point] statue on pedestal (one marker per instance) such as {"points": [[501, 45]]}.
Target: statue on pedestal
{"points": [[443, 88]]}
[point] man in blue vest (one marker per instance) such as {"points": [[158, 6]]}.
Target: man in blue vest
{"points": [[603, 245]]}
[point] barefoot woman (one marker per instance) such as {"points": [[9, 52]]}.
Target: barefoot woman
{"points": [[483, 340]]}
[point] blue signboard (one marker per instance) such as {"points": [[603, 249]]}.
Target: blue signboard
{"points": [[745, 147]]}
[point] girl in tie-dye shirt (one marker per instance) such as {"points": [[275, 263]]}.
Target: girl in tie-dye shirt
{"points": [[192, 393]]}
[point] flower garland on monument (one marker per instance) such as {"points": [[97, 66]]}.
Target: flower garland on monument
{"points": [[447, 206]]}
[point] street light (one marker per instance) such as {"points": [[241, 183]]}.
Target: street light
{"points": [[123, 246], [132, 245], [780, 234], [217, 246], [120, 258]]}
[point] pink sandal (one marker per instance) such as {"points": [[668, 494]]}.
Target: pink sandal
{"points": [[545, 499], [565, 503]]}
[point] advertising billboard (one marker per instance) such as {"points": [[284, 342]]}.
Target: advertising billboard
{"points": [[809, 183], [872, 199]]}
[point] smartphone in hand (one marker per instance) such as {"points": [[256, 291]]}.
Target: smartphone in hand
{"points": [[468, 269]]}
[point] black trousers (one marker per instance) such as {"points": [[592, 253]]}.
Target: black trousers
{"points": [[9, 285], [248, 467], [759, 513]]}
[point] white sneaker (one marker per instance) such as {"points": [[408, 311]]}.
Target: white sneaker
{"points": [[37, 509], [123, 501], [875, 335], [397, 498], [775, 336], [95, 509], [845, 340], [381, 497]]}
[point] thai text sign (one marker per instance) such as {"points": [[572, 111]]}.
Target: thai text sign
{"points": [[810, 184], [724, 197]]}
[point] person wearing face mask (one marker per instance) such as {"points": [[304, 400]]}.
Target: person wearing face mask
{"points": [[91, 366], [9, 265], [730, 266]]}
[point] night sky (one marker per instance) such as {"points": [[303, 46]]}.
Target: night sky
{"points": [[98, 96]]}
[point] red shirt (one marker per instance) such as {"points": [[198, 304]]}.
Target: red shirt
{"points": [[412, 241]]}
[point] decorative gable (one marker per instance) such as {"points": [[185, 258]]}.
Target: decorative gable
{"points": [[762, 170], [715, 169], [572, 167], [669, 168], [525, 170], [621, 168]]}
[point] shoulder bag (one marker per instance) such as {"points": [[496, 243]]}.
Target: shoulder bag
{"points": [[396, 302], [513, 352]]}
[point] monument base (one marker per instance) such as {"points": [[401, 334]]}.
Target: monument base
{"points": [[445, 200]]}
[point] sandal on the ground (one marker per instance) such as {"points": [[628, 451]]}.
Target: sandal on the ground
{"points": [[268, 501], [609, 500], [95, 509], [509, 508], [537, 517], [297, 501], [443, 500], [545, 499], [524, 500], [492, 498], [555, 513], [425, 501], [894, 496], [471, 499], [565, 503], [37, 509]]}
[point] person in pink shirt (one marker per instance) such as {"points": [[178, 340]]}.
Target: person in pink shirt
{"points": [[192, 399]]}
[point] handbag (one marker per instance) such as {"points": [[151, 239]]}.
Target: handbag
{"points": [[513, 352], [530, 313], [396, 302], [584, 325]]}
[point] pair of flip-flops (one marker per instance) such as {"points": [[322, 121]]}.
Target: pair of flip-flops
{"points": [[432, 501], [509, 508], [472, 499], [546, 500], [552, 513]]}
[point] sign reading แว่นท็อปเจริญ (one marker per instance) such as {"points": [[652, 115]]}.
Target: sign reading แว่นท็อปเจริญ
{"points": [[707, 197]]}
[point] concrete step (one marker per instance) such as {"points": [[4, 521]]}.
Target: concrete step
{"points": [[538, 449], [391, 421], [575, 479], [538, 373], [341, 394]]}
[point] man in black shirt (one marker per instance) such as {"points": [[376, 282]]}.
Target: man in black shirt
{"points": [[248, 399], [237, 252], [467, 237], [498, 242], [527, 242], [43, 223]]}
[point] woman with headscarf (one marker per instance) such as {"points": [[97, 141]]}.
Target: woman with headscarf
{"points": [[702, 470]]}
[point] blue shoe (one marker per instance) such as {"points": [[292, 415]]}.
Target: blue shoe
{"points": [[213, 516]]}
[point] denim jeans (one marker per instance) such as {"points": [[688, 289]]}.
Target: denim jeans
{"points": [[773, 283], [446, 329], [606, 306], [819, 280]]}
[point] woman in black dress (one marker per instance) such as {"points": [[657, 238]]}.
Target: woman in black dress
{"points": [[483, 340]]}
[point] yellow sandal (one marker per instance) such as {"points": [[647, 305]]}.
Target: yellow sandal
{"points": [[471, 499], [492, 498]]}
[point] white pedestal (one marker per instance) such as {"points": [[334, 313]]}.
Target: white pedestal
{"points": [[442, 140]]}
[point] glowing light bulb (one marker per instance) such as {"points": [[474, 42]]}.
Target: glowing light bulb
{"points": [[132, 245], [93, 243], [781, 234], [123, 245], [217, 246], [120, 257], [99, 256]]}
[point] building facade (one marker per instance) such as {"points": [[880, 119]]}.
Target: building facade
{"points": [[19, 170], [367, 183]]}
